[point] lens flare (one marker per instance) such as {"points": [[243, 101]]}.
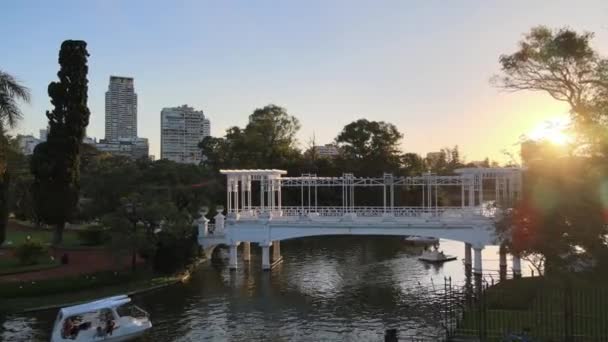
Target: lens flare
{"points": [[554, 131]]}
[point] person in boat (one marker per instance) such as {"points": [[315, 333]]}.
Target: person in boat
{"points": [[67, 328], [71, 327], [109, 326]]}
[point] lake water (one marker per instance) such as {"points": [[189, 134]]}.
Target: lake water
{"points": [[326, 289]]}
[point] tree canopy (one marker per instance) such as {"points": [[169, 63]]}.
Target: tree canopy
{"points": [[562, 210], [56, 162], [268, 141], [370, 147], [11, 91], [563, 64]]}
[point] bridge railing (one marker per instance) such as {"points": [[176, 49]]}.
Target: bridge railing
{"points": [[368, 211]]}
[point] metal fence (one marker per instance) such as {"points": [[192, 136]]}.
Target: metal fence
{"points": [[564, 313]]}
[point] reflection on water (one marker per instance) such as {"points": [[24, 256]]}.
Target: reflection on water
{"points": [[327, 288]]}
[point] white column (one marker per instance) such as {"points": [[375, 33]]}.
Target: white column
{"points": [[243, 193], [472, 191], [246, 251], [276, 250], [262, 190], [249, 193], [384, 192], [270, 191], [232, 263], [477, 267], [236, 195], [481, 190], [228, 194], [516, 266], [280, 200], [266, 257], [497, 181], [392, 194], [462, 197]]}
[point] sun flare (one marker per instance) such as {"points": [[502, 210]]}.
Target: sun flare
{"points": [[553, 130]]}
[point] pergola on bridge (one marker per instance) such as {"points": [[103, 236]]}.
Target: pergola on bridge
{"points": [[270, 220]]}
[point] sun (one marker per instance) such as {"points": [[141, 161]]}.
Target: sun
{"points": [[553, 130]]}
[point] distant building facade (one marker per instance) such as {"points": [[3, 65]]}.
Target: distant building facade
{"points": [[133, 148], [27, 143], [43, 133], [327, 150], [182, 129], [121, 121], [121, 109]]}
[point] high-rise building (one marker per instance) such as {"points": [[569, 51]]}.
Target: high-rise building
{"points": [[121, 109], [133, 148], [182, 129], [43, 134]]}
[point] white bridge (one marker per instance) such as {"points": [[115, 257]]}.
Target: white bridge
{"points": [[268, 223]]}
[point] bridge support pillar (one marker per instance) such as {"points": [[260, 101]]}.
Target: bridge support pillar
{"points": [[516, 266], [468, 262], [266, 257], [502, 255], [232, 261], [477, 268], [276, 250], [246, 251]]}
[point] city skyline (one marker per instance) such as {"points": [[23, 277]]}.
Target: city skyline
{"points": [[423, 67]]}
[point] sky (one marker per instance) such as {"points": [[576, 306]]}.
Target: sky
{"points": [[421, 65]]}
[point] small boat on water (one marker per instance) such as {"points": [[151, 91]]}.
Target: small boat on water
{"points": [[109, 319], [420, 240], [436, 256]]}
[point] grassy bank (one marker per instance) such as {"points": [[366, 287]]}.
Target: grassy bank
{"points": [[28, 296], [23, 296], [13, 266], [549, 309]]}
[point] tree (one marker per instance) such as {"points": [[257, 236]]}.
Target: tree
{"points": [[272, 132], [372, 146], [268, 141], [560, 212], [56, 162], [563, 64], [11, 91]]}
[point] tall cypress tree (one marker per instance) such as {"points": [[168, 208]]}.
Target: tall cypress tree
{"points": [[56, 163]]}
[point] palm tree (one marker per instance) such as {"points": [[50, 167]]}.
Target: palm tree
{"points": [[10, 92]]}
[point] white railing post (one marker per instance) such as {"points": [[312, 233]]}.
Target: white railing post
{"points": [[203, 226], [219, 223]]}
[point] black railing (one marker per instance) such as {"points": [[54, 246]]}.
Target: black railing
{"points": [[536, 313]]}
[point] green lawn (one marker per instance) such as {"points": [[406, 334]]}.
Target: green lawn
{"points": [[12, 265], [16, 236]]}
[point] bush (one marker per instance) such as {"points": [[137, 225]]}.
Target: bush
{"points": [[93, 236], [30, 252], [173, 254]]}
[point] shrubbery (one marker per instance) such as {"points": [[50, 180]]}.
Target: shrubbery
{"points": [[30, 252], [174, 253], [93, 236]]}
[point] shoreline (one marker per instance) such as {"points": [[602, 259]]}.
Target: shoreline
{"points": [[63, 299]]}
